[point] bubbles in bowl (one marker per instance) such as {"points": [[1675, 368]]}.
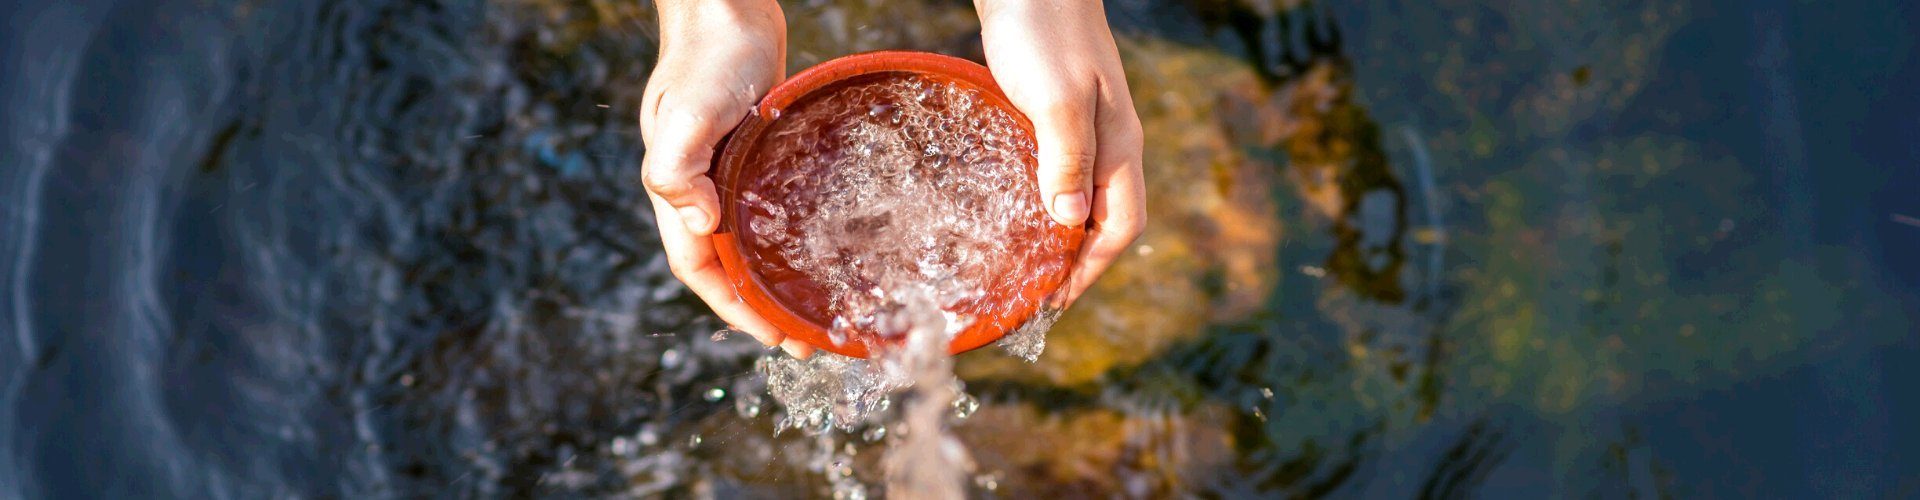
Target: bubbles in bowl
{"points": [[893, 181]]}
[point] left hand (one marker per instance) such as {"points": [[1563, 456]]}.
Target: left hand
{"points": [[1057, 62]]}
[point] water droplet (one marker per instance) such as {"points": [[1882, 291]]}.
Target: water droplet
{"points": [[838, 332], [694, 441], [965, 405], [715, 394], [670, 358], [648, 436], [748, 405], [989, 482], [622, 446], [875, 434]]}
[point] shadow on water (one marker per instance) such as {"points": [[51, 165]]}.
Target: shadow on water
{"points": [[396, 248]]}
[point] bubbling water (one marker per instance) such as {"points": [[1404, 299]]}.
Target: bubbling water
{"points": [[891, 182], [905, 210]]}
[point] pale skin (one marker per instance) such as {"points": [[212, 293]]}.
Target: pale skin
{"points": [[1055, 59]]}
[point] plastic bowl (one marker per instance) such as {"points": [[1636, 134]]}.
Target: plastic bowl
{"points": [[801, 315]]}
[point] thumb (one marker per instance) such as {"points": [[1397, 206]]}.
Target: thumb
{"points": [[1065, 133], [676, 165]]}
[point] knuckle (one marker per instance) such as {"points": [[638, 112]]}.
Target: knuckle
{"points": [[1125, 230], [1074, 163], [1134, 227], [680, 267], [1061, 104], [686, 269], [1108, 250], [1128, 133], [667, 186]]}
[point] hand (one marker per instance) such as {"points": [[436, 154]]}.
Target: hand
{"points": [[717, 58], [1058, 64]]}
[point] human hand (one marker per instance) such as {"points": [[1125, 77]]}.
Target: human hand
{"points": [[1057, 62], [717, 58]]}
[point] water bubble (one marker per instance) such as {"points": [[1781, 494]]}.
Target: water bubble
{"points": [[748, 405], [875, 434], [715, 394], [622, 446], [989, 482], [853, 491], [838, 332], [1266, 392], [694, 441], [648, 435], [964, 406], [670, 358]]}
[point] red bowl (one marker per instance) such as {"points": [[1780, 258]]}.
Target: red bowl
{"points": [[803, 315]]}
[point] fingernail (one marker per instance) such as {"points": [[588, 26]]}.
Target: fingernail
{"points": [[1070, 208], [694, 218]]}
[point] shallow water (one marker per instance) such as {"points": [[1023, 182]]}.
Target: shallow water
{"points": [[397, 248]]}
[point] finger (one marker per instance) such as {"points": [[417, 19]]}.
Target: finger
{"points": [[1064, 130], [1119, 218], [675, 167], [695, 263], [796, 348], [1119, 201]]}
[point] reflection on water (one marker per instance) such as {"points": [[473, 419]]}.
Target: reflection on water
{"points": [[395, 247]]}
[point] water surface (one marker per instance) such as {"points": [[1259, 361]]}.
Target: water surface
{"points": [[398, 248]]}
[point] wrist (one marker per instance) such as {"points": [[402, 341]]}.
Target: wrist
{"points": [[696, 19], [987, 9]]}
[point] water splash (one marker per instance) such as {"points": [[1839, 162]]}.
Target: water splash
{"points": [[903, 206]]}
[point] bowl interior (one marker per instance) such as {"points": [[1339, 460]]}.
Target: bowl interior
{"points": [[882, 173]]}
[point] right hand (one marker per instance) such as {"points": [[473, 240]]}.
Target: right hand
{"points": [[717, 58]]}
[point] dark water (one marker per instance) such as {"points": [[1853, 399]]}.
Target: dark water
{"points": [[397, 248]]}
